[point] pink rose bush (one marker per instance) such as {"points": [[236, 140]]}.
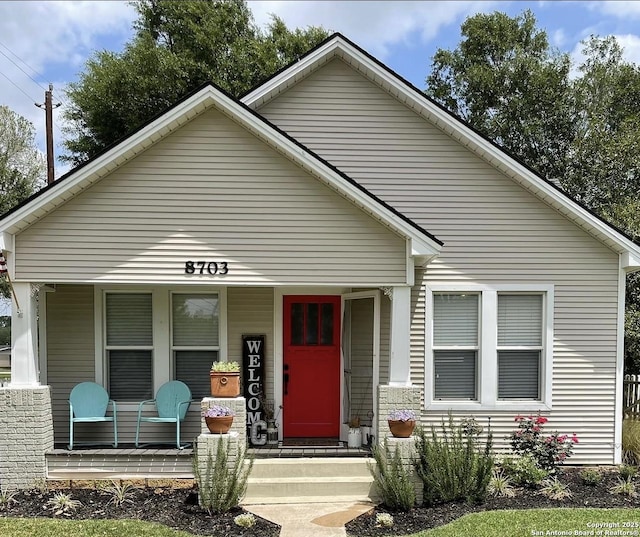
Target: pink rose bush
{"points": [[548, 451]]}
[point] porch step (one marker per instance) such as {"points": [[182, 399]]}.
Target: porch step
{"points": [[119, 464], [304, 480]]}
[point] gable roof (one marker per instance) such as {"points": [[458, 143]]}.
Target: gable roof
{"points": [[423, 244], [338, 46]]}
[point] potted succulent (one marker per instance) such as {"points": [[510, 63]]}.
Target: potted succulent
{"points": [[218, 419], [402, 422], [225, 379]]}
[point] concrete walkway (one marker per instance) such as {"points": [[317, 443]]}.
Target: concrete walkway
{"points": [[311, 519]]}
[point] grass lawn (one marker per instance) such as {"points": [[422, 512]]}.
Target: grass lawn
{"points": [[45, 527], [542, 522]]}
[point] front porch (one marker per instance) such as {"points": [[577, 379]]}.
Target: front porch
{"points": [[165, 463]]}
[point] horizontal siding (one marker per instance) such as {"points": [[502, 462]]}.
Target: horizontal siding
{"points": [[494, 231], [212, 192], [250, 312]]}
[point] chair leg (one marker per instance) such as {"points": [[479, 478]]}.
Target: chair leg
{"points": [[70, 446], [115, 433], [178, 434], [137, 434]]}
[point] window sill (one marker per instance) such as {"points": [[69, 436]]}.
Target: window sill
{"points": [[502, 406]]}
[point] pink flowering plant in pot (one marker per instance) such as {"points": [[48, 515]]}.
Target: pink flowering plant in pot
{"points": [[402, 415], [548, 451], [218, 411]]}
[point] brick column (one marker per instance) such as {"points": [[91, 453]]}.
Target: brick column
{"points": [[399, 398], [26, 430], [236, 439]]}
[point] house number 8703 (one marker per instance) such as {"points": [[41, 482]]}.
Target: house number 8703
{"points": [[203, 267]]}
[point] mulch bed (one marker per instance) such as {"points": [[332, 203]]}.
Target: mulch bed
{"points": [[169, 505], [177, 507], [422, 518]]}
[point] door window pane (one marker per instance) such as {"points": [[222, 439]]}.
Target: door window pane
{"points": [[297, 324], [326, 337], [312, 324]]}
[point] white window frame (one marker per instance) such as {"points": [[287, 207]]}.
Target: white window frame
{"points": [[487, 366], [174, 348], [477, 347], [162, 344]]}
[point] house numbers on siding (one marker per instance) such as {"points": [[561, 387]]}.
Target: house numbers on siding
{"points": [[213, 268]]}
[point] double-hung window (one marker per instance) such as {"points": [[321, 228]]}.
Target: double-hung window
{"points": [[195, 339], [455, 346], [489, 347], [519, 346], [129, 345]]}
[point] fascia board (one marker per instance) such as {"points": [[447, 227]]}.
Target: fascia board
{"points": [[322, 54]]}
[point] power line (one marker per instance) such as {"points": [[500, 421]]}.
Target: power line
{"points": [[16, 85], [25, 63], [37, 73]]}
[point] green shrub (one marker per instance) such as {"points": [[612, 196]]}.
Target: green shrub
{"points": [[631, 441], [591, 477], [393, 479], [555, 490], [625, 487], [627, 471], [223, 484], [524, 471], [500, 485], [451, 463]]}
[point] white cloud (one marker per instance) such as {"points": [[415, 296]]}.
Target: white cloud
{"points": [[618, 8], [374, 25], [54, 39]]}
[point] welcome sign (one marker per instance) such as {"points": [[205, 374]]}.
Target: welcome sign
{"points": [[253, 375]]}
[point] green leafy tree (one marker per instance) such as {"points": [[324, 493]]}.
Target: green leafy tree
{"points": [[177, 46], [22, 166], [584, 132], [507, 82]]}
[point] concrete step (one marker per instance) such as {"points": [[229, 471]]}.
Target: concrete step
{"points": [[303, 480]]}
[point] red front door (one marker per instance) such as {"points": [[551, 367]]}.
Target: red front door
{"points": [[311, 370]]}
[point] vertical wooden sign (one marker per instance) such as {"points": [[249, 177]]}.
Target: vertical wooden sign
{"points": [[253, 375]]}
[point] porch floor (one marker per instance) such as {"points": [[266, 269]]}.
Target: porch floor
{"points": [[262, 452]]}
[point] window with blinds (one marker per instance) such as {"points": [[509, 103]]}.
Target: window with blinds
{"points": [[455, 345], [129, 345], [520, 346], [195, 339]]}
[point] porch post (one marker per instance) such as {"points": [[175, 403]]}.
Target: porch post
{"points": [[24, 330], [399, 367]]}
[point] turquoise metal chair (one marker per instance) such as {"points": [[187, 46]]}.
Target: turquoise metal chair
{"points": [[88, 403], [172, 402]]}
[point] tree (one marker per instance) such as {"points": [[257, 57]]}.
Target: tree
{"points": [[177, 47], [22, 165], [506, 81], [583, 131]]}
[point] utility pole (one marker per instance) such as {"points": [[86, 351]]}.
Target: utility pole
{"points": [[48, 107]]}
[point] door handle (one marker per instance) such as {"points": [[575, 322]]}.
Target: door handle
{"points": [[286, 379]]}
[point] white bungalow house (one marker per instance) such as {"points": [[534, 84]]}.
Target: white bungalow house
{"points": [[390, 255]]}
